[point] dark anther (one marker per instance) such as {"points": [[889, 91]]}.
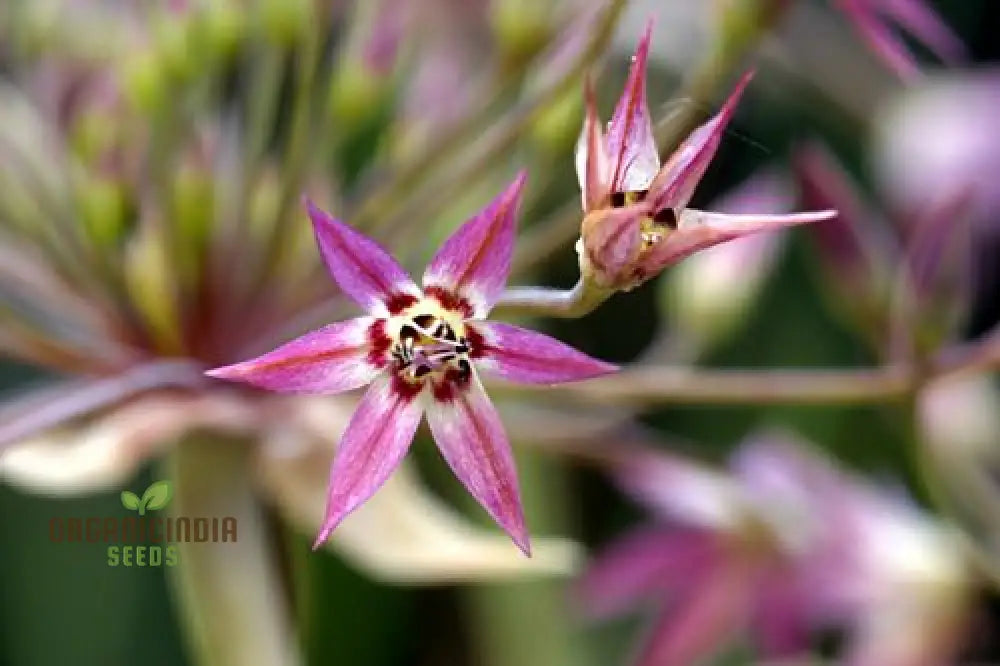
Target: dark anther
{"points": [[667, 218], [424, 321], [408, 331], [421, 370], [465, 369], [617, 199], [449, 334]]}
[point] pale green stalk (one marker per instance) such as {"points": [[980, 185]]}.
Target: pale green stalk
{"points": [[230, 597]]}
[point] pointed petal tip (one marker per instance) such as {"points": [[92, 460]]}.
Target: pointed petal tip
{"points": [[729, 107], [516, 186], [642, 48], [225, 372], [323, 536]]}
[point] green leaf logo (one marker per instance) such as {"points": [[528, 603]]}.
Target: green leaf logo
{"points": [[156, 497], [130, 501]]}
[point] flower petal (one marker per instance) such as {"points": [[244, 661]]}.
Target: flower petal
{"points": [[404, 534], [649, 561], [853, 246], [702, 622], [680, 491], [332, 359], [362, 268], [473, 263], [525, 356], [593, 167], [471, 438], [882, 40], [612, 239], [105, 452], [697, 230], [631, 145], [920, 21], [781, 618], [376, 439], [676, 182]]}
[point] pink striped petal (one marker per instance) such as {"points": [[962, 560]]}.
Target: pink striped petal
{"points": [[883, 41], [331, 359], [376, 439], [781, 619], [697, 230], [593, 166], [471, 438], [675, 184], [525, 356], [917, 18], [648, 562], [362, 268], [702, 623], [631, 145], [612, 239], [853, 247], [473, 263]]}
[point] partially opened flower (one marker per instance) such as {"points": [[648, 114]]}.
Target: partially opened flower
{"points": [[637, 221], [417, 349]]}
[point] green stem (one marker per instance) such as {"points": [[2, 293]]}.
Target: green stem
{"points": [[394, 196], [528, 623], [573, 303], [230, 594]]}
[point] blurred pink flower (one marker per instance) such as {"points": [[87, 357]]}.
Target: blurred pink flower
{"points": [[783, 547], [637, 221], [874, 19], [905, 268], [416, 348], [957, 111]]}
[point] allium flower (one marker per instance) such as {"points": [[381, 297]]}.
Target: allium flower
{"points": [[416, 348], [907, 268], [873, 20], [637, 221], [783, 548]]}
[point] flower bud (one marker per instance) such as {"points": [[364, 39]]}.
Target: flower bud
{"points": [[151, 284], [101, 203], [554, 131], [934, 289], [143, 81], [521, 28], [285, 21], [363, 79]]}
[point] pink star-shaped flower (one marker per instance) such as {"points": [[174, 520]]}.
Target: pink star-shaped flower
{"points": [[420, 350]]}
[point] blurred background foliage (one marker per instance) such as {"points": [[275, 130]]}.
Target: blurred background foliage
{"points": [[60, 604]]}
